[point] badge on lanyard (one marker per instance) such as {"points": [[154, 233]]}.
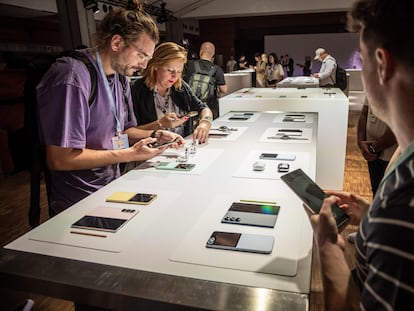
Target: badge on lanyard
{"points": [[120, 142]]}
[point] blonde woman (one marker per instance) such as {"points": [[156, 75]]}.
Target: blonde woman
{"points": [[163, 100]]}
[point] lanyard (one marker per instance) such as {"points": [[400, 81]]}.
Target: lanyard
{"points": [[112, 97]]}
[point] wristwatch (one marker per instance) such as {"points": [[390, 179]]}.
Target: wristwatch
{"points": [[371, 149]]}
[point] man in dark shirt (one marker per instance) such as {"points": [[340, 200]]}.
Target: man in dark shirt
{"points": [[206, 62]]}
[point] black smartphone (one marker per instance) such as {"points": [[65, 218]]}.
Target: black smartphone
{"points": [[174, 166], [238, 118], [311, 194]]}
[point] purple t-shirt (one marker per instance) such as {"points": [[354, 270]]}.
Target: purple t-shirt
{"points": [[67, 120]]}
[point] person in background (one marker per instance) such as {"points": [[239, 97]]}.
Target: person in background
{"points": [[377, 144], [85, 143], [206, 62], [307, 66], [274, 71], [384, 251], [243, 63], [327, 73], [162, 99], [260, 70], [231, 64], [290, 65]]}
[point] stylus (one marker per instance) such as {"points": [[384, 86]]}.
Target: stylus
{"points": [[256, 201], [90, 234]]}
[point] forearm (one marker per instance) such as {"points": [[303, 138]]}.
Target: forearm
{"points": [[339, 289], [149, 126], [387, 140], [65, 159]]}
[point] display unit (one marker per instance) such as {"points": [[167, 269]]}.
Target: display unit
{"points": [[330, 104], [159, 259]]}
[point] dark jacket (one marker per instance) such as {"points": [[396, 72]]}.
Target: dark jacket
{"points": [[144, 106]]}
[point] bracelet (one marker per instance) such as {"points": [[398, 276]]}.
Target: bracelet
{"points": [[207, 118]]}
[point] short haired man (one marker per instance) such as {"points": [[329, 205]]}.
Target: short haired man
{"points": [[206, 62], [327, 73], [384, 249]]}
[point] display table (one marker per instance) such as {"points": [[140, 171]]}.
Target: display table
{"points": [[159, 259], [237, 80], [331, 105], [299, 82]]}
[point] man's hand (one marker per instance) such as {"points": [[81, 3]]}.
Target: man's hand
{"points": [[354, 205]]}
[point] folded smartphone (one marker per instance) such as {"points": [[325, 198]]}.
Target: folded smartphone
{"points": [[132, 197]]}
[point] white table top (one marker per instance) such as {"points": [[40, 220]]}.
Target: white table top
{"points": [[169, 235]]}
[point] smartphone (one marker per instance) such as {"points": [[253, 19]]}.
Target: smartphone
{"points": [[311, 194], [132, 197], [174, 166], [190, 114], [290, 132], [241, 242], [161, 145], [105, 219], [260, 215], [283, 167], [278, 156], [238, 118]]}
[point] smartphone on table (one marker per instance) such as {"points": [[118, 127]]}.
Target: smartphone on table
{"points": [[277, 156], [132, 197], [174, 166], [242, 242]]}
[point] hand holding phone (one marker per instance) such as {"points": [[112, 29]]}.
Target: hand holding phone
{"points": [[161, 145], [312, 195]]}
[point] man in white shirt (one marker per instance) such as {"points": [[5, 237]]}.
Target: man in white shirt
{"points": [[327, 72]]}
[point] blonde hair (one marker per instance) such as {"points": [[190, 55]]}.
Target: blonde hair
{"points": [[129, 23], [163, 54]]}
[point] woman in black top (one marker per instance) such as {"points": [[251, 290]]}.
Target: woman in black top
{"points": [[162, 99]]}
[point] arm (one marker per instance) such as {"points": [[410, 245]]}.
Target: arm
{"points": [[340, 291], [65, 159]]}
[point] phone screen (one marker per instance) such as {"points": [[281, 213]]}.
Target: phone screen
{"points": [[224, 239], [184, 166], [99, 223], [311, 194], [142, 198], [254, 208], [272, 156]]}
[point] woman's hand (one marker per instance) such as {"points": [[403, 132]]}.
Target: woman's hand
{"points": [[171, 120], [202, 131]]}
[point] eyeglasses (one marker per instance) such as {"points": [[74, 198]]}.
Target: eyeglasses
{"points": [[141, 55]]}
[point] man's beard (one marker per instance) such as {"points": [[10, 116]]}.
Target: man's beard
{"points": [[124, 70]]}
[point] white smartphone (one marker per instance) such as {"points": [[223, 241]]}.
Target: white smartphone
{"points": [[242, 242], [105, 219]]}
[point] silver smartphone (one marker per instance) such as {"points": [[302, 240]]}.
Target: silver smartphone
{"points": [[277, 156], [242, 242], [260, 215]]}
